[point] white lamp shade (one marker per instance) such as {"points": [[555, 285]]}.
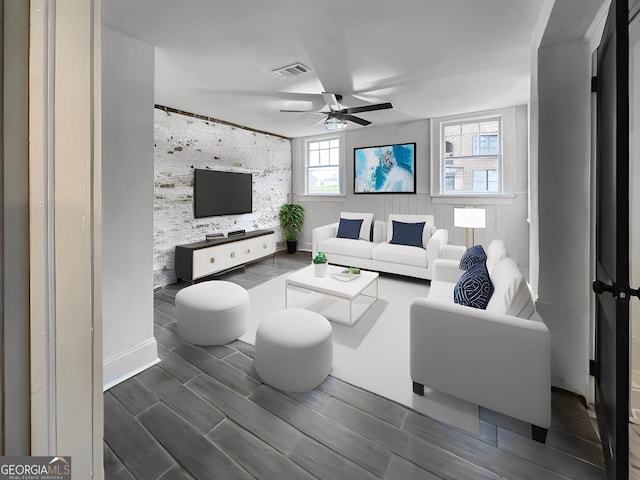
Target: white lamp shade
{"points": [[469, 217]]}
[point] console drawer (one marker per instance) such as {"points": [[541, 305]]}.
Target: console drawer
{"points": [[209, 260]]}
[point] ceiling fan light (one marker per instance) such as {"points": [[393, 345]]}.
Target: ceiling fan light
{"points": [[333, 123]]}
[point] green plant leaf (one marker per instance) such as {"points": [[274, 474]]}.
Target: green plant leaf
{"points": [[320, 258], [291, 220]]}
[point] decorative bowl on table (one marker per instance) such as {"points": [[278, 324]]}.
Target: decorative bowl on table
{"points": [[347, 275]]}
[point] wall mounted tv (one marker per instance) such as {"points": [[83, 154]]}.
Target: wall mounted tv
{"points": [[221, 193]]}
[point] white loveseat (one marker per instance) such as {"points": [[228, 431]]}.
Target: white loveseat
{"points": [[373, 250], [498, 358]]}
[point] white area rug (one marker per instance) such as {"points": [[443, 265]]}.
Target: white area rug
{"points": [[374, 353]]}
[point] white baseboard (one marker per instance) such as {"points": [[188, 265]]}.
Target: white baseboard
{"points": [[129, 363]]}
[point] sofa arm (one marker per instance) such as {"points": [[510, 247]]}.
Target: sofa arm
{"points": [[437, 240], [322, 233], [494, 360], [379, 231], [446, 271], [452, 252]]}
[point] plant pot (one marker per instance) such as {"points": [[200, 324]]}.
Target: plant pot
{"points": [[320, 269], [292, 246]]}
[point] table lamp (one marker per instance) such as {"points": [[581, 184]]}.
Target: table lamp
{"points": [[469, 218]]}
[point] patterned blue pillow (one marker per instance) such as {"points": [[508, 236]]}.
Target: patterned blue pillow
{"points": [[349, 228], [474, 289], [473, 256], [407, 233]]}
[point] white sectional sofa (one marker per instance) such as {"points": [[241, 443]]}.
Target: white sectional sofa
{"points": [[498, 358], [373, 249]]}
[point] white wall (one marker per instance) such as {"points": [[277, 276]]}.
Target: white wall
{"points": [[564, 73], [534, 121], [562, 183], [561, 201], [506, 218], [127, 103]]}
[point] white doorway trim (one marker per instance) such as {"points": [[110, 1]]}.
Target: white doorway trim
{"points": [[65, 238]]}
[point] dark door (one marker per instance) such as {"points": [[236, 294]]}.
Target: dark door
{"points": [[612, 242]]}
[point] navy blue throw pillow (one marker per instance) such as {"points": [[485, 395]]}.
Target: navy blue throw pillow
{"points": [[473, 256], [407, 234], [349, 228], [474, 289]]}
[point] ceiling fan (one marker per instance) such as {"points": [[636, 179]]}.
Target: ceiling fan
{"points": [[336, 117]]}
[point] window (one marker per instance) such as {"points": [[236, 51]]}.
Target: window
{"points": [[323, 167], [485, 144], [485, 181], [479, 158], [470, 156], [471, 149], [452, 176]]}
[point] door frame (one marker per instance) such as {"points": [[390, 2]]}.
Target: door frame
{"points": [[612, 260], [65, 233]]}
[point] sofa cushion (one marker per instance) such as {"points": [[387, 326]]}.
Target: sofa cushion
{"points": [[429, 225], [348, 228], [472, 256], [441, 291], [496, 251], [407, 234], [402, 254], [346, 247], [367, 222], [511, 294], [474, 289]]}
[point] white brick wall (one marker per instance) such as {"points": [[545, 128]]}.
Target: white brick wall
{"points": [[183, 142]]}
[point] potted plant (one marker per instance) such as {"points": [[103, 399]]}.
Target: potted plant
{"points": [[320, 264], [291, 220]]}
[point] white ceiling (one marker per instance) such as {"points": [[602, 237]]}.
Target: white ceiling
{"points": [[428, 57]]}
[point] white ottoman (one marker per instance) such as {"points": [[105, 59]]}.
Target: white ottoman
{"points": [[212, 313], [294, 349]]}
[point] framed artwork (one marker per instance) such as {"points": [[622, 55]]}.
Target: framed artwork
{"points": [[385, 169]]}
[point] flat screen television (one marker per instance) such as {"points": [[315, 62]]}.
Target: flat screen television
{"points": [[221, 193]]}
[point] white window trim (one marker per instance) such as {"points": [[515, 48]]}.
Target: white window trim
{"points": [[302, 176], [506, 168]]}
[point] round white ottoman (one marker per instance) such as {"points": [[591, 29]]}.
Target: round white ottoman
{"points": [[294, 349], [212, 313]]}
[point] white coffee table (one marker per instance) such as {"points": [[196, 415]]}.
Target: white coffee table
{"points": [[339, 301]]}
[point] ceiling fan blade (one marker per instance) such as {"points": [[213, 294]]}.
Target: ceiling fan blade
{"points": [[303, 111], [368, 108], [352, 118], [331, 99]]}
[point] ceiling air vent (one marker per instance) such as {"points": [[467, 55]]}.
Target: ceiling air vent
{"points": [[291, 70]]}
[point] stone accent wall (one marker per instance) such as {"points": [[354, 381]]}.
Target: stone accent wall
{"points": [[183, 143]]}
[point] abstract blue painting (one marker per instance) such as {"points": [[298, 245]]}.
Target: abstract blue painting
{"points": [[385, 169]]}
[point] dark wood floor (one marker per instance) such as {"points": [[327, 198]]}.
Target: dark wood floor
{"points": [[203, 413]]}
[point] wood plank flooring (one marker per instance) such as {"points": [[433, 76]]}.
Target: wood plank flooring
{"points": [[203, 413]]}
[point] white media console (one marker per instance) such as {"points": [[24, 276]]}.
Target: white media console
{"points": [[200, 259]]}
